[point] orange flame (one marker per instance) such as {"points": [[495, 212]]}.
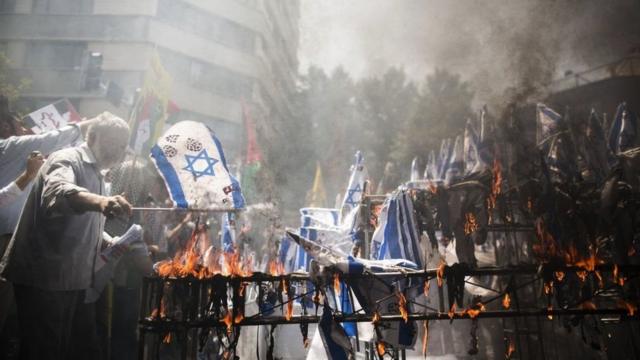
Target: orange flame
{"points": [[559, 275], [376, 317], [511, 348], [631, 308], [496, 186], [616, 273], [425, 337], [440, 271], [167, 339], [162, 313], [548, 287], [549, 309], [381, 349], [427, 285], [402, 305], [470, 225], [336, 284], [475, 310], [276, 268], [228, 321], [289, 313], [506, 301], [452, 311]]}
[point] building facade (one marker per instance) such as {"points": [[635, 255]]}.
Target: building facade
{"points": [[219, 53]]}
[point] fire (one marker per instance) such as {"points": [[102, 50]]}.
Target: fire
{"points": [[234, 265], [582, 275], [511, 348], [276, 268], [470, 225], [317, 298], [547, 246], [162, 313], [506, 301], [306, 343], [432, 187], [228, 320], [548, 287], [496, 186], [402, 305], [588, 305], [631, 308], [289, 313], [336, 284], [559, 275], [381, 349], [549, 310], [427, 285], [167, 339], [452, 311], [376, 317], [440, 271], [475, 310], [425, 337]]}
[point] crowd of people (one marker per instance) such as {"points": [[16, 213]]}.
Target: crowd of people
{"points": [[64, 196]]}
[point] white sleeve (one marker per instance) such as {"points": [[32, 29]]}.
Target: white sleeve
{"points": [[9, 193]]}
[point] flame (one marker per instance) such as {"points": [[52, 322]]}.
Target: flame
{"points": [[276, 268], [336, 284], [631, 308], [162, 313], [548, 287], [452, 311], [402, 305], [167, 339], [317, 297], [631, 251], [616, 273], [380, 348], [289, 313], [470, 225], [228, 321], [547, 246], [427, 285], [588, 305], [549, 309], [559, 275], [475, 310], [306, 343], [432, 187], [425, 337], [582, 275], [376, 318], [529, 204], [440, 271], [506, 301], [496, 186], [511, 348]]}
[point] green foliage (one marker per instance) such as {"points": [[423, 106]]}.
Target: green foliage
{"points": [[9, 87], [389, 118]]}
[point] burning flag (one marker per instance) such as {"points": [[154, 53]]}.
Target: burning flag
{"points": [[51, 117], [190, 159], [228, 236]]}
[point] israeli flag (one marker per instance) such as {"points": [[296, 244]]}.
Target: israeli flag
{"points": [[548, 122], [431, 170], [455, 170], [353, 195], [415, 172], [228, 236], [287, 253], [485, 141], [623, 132], [319, 217], [443, 158], [397, 235], [472, 162], [191, 161]]}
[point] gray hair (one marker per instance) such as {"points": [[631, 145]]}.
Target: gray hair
{"points": [[108, 122]]}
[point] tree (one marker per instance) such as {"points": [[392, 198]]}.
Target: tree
{"points": [[9, 87]]}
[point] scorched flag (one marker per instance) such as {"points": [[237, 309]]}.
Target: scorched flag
{"points": [[190, 159]]}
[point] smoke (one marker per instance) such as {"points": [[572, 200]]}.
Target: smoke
{"points": [[507, 49]]}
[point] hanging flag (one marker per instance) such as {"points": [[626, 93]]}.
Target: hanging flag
{"points": [[335, 340], [446, 149], [253, 156], [415, 172], [486, 138], [228, 235], [455, 170], [548, 123], [51, 117], [317, 196], [354, 193], [623, 131], [472, 162], [431, 170], [191, 161], [597, 153], [152, 108]]}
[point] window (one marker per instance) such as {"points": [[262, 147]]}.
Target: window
{"points": [[194, 20], [62, 6], [7, 6], [58, 55]]}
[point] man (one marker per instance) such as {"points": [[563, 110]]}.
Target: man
{"points": [[52, 254]]}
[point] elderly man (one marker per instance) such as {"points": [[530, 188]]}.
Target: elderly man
{"points": [[51, 256]]}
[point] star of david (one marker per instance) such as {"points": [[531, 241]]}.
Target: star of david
{"points": [[350, 194], [201, 164]]}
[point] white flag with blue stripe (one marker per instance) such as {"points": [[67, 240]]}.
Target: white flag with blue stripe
{"points": [[353, 195], [191, 161], [228, 236], [455, 170]]}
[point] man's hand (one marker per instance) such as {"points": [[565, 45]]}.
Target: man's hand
{"points": [[34, 162], [113, 206]]}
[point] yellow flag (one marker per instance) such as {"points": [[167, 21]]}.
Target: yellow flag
{"points": [[317, 197]]}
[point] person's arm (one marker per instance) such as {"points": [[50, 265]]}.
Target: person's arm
{"points": [[9, 193], [61, 194]]}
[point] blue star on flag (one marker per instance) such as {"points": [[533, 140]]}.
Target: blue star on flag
{"points": [[350, 194], [201, 164]]}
